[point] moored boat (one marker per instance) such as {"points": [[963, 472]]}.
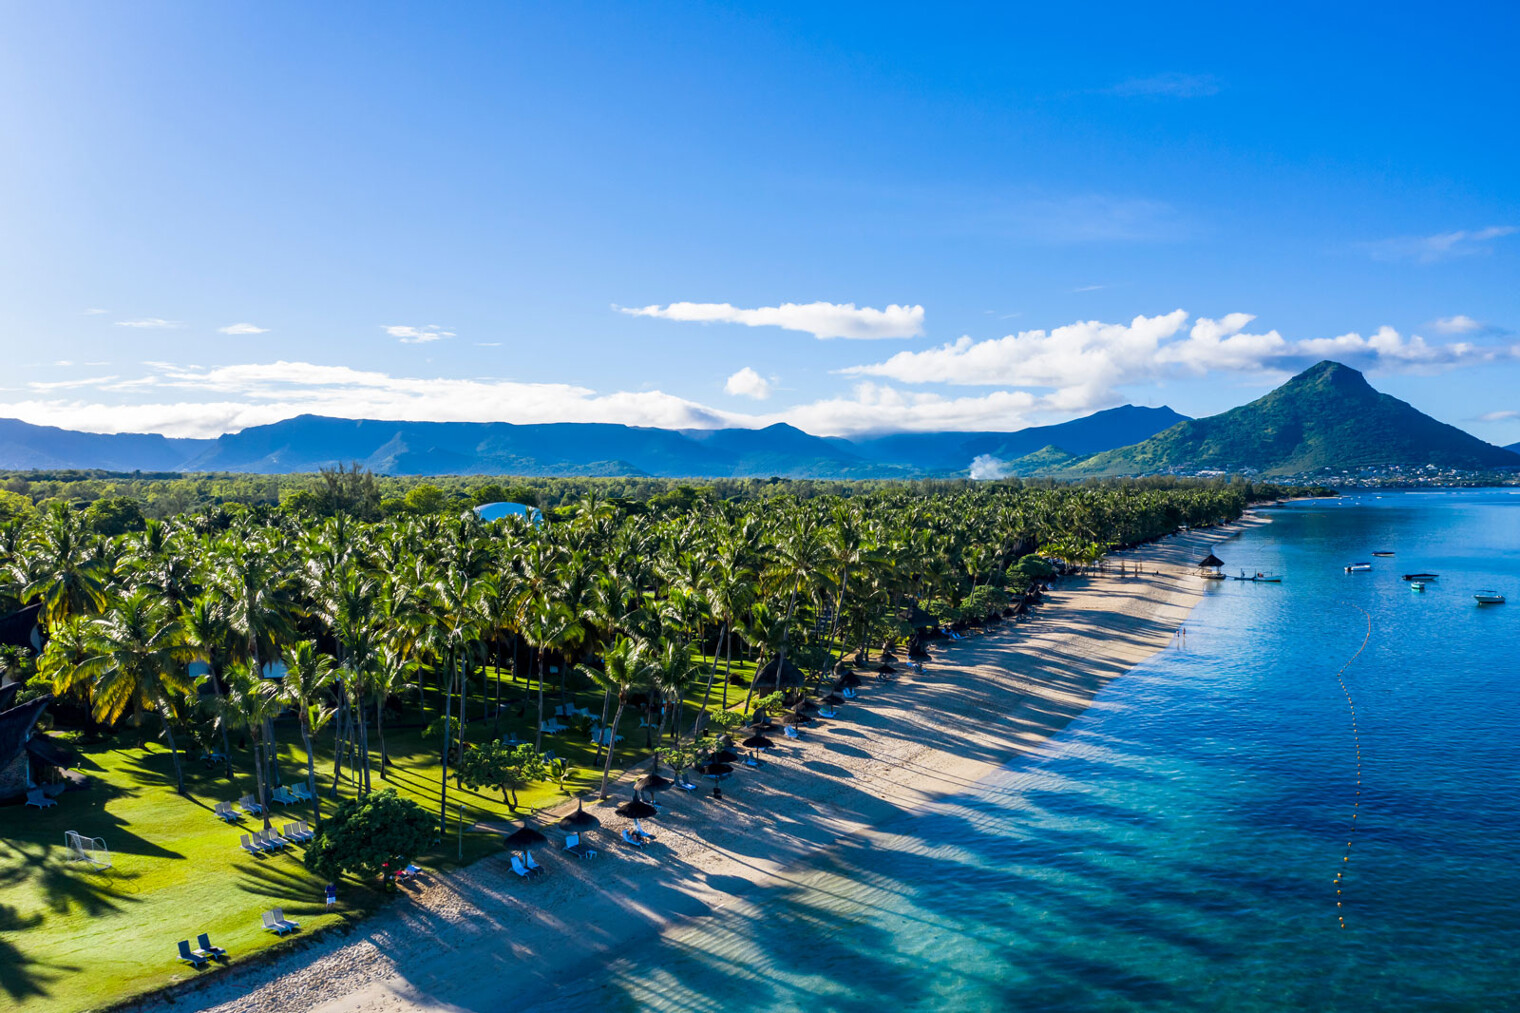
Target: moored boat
{"points": [[1358, 567], [1384, 552], [1421, 576], [1416, 585], [1489, 598]]}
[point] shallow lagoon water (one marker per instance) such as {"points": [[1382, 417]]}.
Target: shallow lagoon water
{"points": [[1177, 847]]}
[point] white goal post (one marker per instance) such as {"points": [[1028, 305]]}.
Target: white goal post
{"points": [[88, 849]]}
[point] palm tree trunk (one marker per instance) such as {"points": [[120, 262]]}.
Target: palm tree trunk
{"points": [[179, 774], [728, 667], [385, 757], [707, 693], [538, 736], [311, 772], [258, 775], [612, 745], [606, 702], [364, 744], [443, 778]]}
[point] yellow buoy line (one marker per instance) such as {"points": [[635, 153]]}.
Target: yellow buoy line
{"points": [[1356, 738]]}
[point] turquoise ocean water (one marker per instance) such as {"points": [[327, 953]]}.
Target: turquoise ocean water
{"points": [[1177, 847]]}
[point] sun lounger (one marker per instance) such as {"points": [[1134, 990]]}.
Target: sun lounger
{"points": [[629, 837], [250, 847], [407, 873], [214, 952], [791, 732], [686, 786], [283, 796], [518, 867], [300, 792], [279, 917], [575, 847], [827, 713], [528, 862], [641, 833], [272, 839], [223, 811], [292, 832], [196, 960], [273, 925], [249, 806], [37, 798]]}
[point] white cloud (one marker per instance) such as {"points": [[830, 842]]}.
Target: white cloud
{"points": [[748, 383], [1500, 416], [1442, 246], [150, 322], [199, 401], [417, 335], [1083, 363], [243, 329], [1168, 85], [985, 467], [820, 319], [1459, 324]]}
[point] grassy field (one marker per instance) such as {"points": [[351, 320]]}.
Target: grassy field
{"points": [[73, 940]]}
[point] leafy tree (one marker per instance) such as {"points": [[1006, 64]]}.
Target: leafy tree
{"points": [[374, 835], [508, 769], [114, 515], [427, 499]]}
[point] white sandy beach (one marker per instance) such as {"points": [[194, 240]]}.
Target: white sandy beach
{"points": [[484, 940]]}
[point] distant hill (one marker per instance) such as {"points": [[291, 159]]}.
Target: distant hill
{"points": [[309, 442], [954, 451], [1513, 448], [24, 446], [1326, 418]]}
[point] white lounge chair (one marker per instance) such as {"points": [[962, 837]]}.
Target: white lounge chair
{"points": [[224, 811], [250, 847], [279, 916], [37, 798], [575, 847], [276, 925], [249, 806], [630, 838], [284, 796], [791, 732], [518, 867]]}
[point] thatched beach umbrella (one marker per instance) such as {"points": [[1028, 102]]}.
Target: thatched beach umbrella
{"points": [[758, 742], [716, 771], [637, 809], [524, 837], [723, 756], [797, 719], [580, 819], [884, 667], [888, 657], [652, 782], [849, 681], [1210, 560], [833, 699]]}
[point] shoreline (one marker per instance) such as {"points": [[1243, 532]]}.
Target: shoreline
{"points": [[482, 939]]}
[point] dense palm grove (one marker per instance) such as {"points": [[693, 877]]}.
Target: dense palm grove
{"points": [[169, 629]]}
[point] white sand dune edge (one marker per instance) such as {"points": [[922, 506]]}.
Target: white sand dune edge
{"points": [[484, 940]]}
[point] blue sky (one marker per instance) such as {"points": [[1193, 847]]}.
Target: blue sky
{"points": [[220, 215]]}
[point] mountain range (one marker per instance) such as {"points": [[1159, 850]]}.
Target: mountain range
{"points": [[309, 442], [1326, 418]]}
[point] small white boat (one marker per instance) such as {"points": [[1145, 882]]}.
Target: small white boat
{"points": [[1489, 598], [1416, 585], [1358, 567], [1384, 552]]}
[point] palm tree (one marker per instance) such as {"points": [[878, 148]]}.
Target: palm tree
{"points": [[207, 633], [307, 686], [136, 658], [61, 572], [625, 667], [390, 676], [252, 702]]}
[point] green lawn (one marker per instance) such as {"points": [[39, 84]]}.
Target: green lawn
{"points": [[74, 940]]}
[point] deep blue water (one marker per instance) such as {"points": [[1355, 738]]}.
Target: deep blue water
{"points": [[1178, 846]]}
